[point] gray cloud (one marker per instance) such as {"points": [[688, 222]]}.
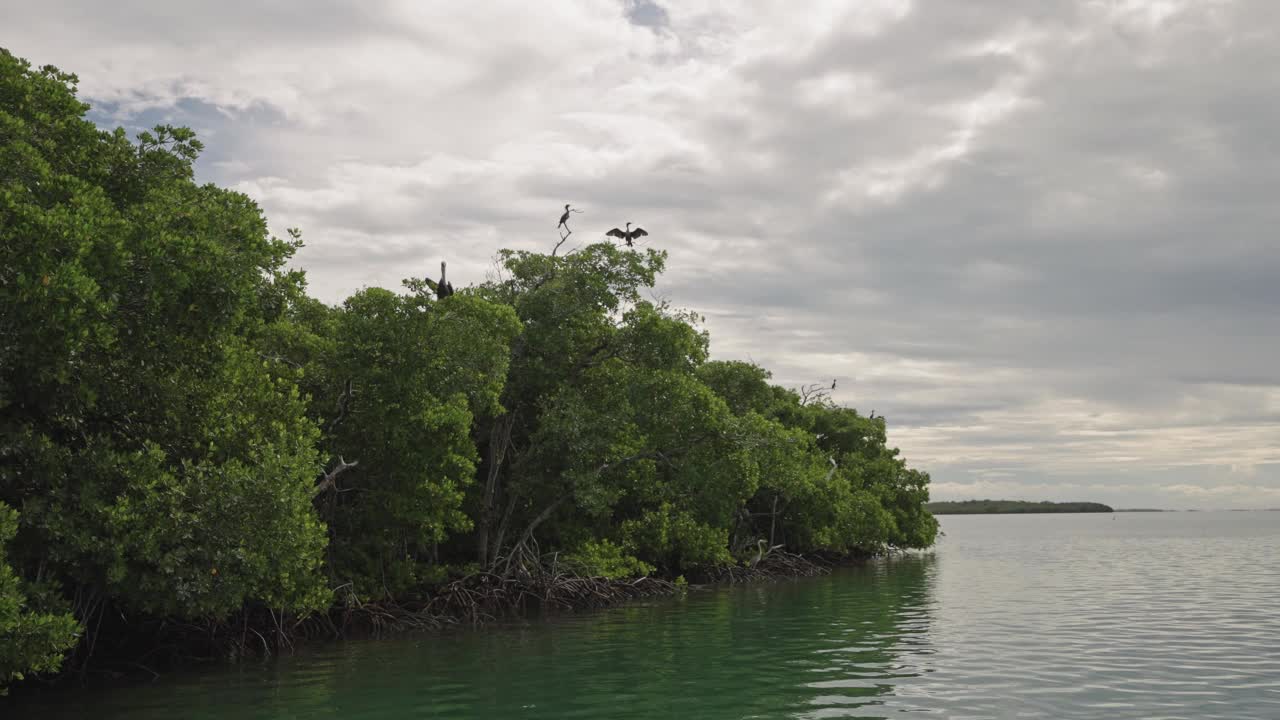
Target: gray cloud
{"points": [[647, 12], [1038, 237]]}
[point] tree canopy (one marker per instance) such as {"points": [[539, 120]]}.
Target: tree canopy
{"points": [[186, 434]]}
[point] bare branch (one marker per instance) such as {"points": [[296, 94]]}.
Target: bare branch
{"points": [[528, 532], [562, 239], [330, 479], [280, 359], [646, 455], [343, 401], [814, 393]]}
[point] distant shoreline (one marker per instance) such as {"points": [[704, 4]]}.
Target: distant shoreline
{"points": [[1014, 507], [1026, 507]]}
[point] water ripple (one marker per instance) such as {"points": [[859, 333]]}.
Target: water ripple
{"points": [[1145, 616]]}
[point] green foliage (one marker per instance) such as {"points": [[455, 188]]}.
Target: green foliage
{"points": [[197, 539], [604, 559], [30, 641], [829, 482], [156, 456], [412, 372], [189, 435], [619, 428], [745, 387], [1001, 507], [681, 586]]}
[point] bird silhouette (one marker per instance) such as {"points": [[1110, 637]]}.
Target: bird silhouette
{"points": [[564, 219], [762, 551], [444, 288], [627, 235]]}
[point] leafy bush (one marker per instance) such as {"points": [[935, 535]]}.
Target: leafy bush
{"points": [[189, 435], [604, 559], [30, 641]]}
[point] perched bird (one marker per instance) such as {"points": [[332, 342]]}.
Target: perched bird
{"points": [[564, 219], [762, 551], [833, 383], [628, 235], [444, 288]]}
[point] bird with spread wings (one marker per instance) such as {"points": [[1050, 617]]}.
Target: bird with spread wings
{"points": [[627, 235]]}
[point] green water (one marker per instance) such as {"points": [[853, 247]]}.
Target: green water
{"points": [[1063, 616]]}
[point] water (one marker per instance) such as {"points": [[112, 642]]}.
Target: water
{"points": [[1051, 616]]}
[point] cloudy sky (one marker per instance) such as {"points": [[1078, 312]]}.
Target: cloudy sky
{"points": [[1040, 237]]}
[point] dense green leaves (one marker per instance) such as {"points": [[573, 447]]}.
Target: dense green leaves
{"points": [[982, 507], [187, 434], [30, 640], [156, 456], [411, 373], [229, 523], [618, 428]]}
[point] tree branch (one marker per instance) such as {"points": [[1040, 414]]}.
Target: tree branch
{"points": [[499, 444], [646, 455], [343, 401], [528, 531], [814, 393], [330, 479], [591, 358], [556, 249]]}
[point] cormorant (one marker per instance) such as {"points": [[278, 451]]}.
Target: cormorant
{"points": [[443, 288], [564, 219], [628, 235]]}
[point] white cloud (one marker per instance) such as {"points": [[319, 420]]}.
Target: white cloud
{"points": [[1037, 236]]}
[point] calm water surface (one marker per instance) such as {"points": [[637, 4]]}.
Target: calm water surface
{"points": [[1049, 616]]}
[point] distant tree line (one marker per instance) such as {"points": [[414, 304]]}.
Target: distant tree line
{"points": [[187, 436], [991, 507]]}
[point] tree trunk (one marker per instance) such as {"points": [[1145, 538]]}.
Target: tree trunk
{"points": [[773, 519], [541, 518], [502, 527], [499, 441]]}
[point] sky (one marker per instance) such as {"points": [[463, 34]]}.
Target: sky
{"points": [[1038, 237]]}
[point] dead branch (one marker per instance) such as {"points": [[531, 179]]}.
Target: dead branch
{"points": [[562, 240], [331, 477], [814, 393], [541, 518], [646, 455], [344, 400]]}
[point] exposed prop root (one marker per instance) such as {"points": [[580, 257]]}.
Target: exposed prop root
{"points": [[527, 582], [372, 618], [483, 597], [776, 565]]}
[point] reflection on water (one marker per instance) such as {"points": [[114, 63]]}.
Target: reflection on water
{"points": [[1143, 616]]}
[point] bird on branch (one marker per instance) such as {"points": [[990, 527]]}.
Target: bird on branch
{"points": [[762, 551], [627, 235], [564, 219], [444, 288]]}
